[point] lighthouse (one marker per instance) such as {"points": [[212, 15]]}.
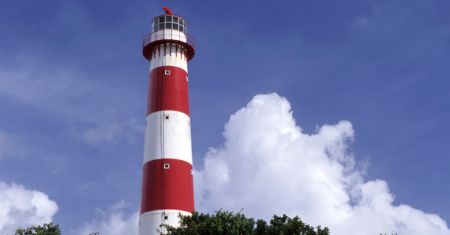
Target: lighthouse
{"points": [[167, 185]]}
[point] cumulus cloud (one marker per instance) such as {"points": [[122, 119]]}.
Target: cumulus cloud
{"points": [[21, 207], [114, 221], [268, 165]]}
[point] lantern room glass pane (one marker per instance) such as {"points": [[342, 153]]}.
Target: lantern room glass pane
{"points": [[161, 26], [175, 19], [161, 19], [168, 18], [168, 25]]}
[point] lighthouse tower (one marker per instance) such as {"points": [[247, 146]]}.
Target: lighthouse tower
{"points": [[167, 186]]}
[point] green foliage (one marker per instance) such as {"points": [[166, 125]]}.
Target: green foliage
{"points": [[46, 229], [228, 223]]}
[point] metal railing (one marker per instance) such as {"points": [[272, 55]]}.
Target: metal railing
{"points": [[170, 34]]}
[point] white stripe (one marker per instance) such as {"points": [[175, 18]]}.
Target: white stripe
{"points": [[168, 135], [149, 222], [172, 57], [168, 34]]}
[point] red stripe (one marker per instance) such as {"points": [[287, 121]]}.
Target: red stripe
{"points": [[168, 92], [167, 188]]}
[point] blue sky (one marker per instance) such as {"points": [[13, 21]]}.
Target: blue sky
{"points": [[73, 86]]}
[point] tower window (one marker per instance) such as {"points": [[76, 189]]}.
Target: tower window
{"points": [[167, 72], [166, 217], [166, 166], [166, 117]]}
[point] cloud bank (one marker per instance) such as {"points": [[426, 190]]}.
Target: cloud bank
{"points": [[21, 207], [268, 165]]}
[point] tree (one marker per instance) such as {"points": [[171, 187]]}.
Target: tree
{"points": [[46, 229], [228, 223]]}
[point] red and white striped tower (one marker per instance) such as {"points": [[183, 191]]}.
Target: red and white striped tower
{"points": [[167, 187]]}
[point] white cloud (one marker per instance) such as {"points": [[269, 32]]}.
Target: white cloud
{"points": [[110, 132], [43, 87], [367, 19], [21, 207], [112, 222], [101, 134], [267, 166], [11, 146], [84, 103], [5, 143], [360, 22]]}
